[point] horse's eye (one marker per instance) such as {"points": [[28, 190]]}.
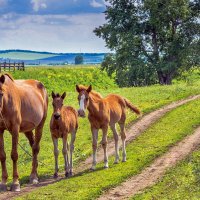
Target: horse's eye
{"points": [[86, 98]]}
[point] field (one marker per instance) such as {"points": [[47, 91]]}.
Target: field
{"points": [[173, 127], [141, 152]]}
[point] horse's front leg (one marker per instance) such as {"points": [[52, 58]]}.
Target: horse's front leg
{"points": [[56, 153], [73, 137], [3, 164], [94, 147], [14, 156], [65, 154], [104, 145]]}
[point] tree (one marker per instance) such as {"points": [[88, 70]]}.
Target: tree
{"points": [[160, 37], [78, 59]]}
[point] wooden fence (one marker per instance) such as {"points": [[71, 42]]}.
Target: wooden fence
{"points": [[7, 66]]}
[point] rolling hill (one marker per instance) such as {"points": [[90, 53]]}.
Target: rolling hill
{"points": [[48, 58]]}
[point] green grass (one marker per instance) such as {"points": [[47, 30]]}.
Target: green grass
{"points": [[65, 78], [141, 152], [146, 98], [180, 182], [25, 56]]}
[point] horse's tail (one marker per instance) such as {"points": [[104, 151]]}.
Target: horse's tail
{"points": [[132, 107]]}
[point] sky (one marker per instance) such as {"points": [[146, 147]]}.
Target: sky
{"points": [[52, 25]]}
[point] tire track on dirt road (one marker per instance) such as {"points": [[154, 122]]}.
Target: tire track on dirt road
{"points": [[156, 170]]}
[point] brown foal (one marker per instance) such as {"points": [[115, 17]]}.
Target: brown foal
{"points": [[104, 112], [23, 108], [64, 120]]}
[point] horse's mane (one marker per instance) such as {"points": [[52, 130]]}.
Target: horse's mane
{"points": [[9, 76], [93, 93]]}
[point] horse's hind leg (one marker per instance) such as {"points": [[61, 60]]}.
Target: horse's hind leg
{"points": [[3, 164], [29, 135], [123, 137], [116, 138], [35, 151]]}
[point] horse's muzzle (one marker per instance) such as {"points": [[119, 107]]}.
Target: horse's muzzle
{"points": [[56, 116], [81, 113]]}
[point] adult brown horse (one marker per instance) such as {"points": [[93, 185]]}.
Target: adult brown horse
{"points": [[23, 108], [104, 112]]}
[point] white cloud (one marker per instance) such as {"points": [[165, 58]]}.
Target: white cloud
{"points": [[56, 33], [38, 4], [96, 4]]}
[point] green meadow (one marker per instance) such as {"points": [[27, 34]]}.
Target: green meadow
{"points": [[141, 152]]}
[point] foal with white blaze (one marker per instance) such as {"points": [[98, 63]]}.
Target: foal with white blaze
{"points": [[104, 112], [64, 120]]}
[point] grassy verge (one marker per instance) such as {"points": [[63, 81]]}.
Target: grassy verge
{"points": [[146, 98], [152, 143]]}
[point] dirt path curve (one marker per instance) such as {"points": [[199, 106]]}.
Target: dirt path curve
{"points": [[135, 130], [156, 170]]}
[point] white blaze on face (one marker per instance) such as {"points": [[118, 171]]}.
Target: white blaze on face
{"points": [[82, 104]]}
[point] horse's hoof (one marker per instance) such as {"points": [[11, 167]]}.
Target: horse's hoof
{"points": [[92, 169], [116, 162], [71, 173], [15, 187], [106, 167], [124, 160], [55, 175], [67, 174], [3, 187], [34, 181]]}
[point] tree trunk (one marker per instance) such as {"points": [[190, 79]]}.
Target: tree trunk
{"points": [[164, 78]]}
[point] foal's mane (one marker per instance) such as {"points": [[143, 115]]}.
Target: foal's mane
{"points": [[93, 93], [9, 76]]}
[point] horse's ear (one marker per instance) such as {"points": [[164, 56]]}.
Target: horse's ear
{"points": [[53, 95], [89, 89], [77, 88], [2, 79], [63, 95]]}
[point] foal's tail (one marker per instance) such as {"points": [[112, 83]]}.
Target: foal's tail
{"points": [[132, 107]]}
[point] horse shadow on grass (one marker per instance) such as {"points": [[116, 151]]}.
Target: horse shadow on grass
{"points": [[45, 180]]}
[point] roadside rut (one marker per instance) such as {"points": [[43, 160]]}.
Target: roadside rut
{"points": [[135, 130]]}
